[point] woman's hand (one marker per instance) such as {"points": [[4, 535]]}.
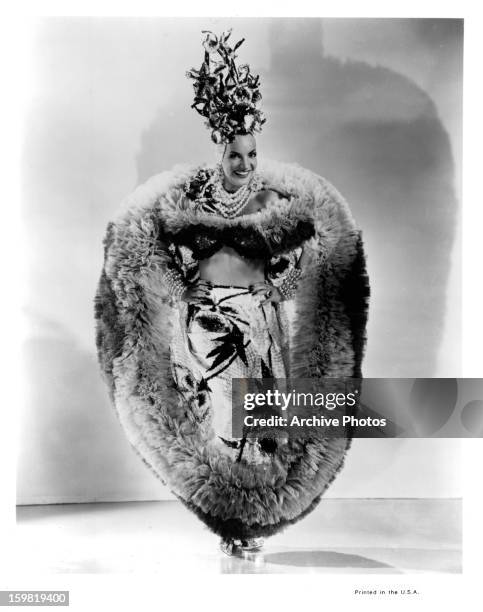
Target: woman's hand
{"points": [[267, 291], [197, 292]]}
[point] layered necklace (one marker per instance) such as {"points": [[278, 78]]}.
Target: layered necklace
{"points": [[230, 204]]}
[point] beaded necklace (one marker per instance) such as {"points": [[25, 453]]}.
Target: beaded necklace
{"points": [[230, 204], [207, 189]]}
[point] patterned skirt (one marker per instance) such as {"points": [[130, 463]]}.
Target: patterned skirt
{"points": [[227, 335]]}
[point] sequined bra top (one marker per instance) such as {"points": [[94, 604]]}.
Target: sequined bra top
{"points": [[248, 242]]}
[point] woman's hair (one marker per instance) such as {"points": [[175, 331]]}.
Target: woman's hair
{"points": [[220, 148]]}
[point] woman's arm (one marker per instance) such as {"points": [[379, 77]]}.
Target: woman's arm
{"points": [[287, 289], [180, 273], [182, 291]]}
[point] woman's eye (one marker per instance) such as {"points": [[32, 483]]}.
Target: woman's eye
{"points": [[253, 154]]}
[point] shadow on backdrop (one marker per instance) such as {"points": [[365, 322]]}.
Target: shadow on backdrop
{"points": [[83, 456]]}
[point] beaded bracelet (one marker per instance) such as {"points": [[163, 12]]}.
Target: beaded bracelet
{"points": [[288, 288], [175, 284]]}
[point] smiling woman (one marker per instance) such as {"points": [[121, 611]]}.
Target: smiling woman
{"points": [[239, 162], [230, 272]]}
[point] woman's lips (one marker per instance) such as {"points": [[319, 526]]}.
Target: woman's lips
{"points": [[241, 174]]}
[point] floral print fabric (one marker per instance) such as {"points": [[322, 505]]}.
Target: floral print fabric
{"points": [[227, 335]]}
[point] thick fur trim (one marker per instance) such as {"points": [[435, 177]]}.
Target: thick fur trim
{"points": [[326, 338]]}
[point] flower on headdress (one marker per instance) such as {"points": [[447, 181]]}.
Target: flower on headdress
{"points": [[211, 42], [226, 35], [248, 122], [256, 96], [253, 81], [242, 95], [260, 119], [243, 71], [217, 136]]}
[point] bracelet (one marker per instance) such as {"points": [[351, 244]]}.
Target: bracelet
{"points": [[288, 288], [175, 283]]}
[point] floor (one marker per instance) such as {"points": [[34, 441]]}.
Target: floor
{"points": [[369, 536]]}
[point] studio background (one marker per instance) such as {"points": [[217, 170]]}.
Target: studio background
{"points": [[374, 106]]}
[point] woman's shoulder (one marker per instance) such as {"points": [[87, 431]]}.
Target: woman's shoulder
{"points": [[270, 194], [276, 193], [265, 199]]}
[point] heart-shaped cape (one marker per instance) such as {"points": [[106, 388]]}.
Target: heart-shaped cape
{"points": [[326, 338]]}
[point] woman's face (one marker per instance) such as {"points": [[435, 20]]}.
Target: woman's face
{"points": [[239, 161]]}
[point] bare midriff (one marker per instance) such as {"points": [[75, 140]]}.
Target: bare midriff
{"points": [[226, 267]]}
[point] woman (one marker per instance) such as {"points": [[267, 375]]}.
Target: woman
{"points": [[232, 327], [230, 272]]}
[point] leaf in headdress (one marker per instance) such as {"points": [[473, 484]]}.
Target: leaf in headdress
{"points": [[226, 35], [238, 44]]}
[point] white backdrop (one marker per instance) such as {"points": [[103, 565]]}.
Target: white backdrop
{"points": [[373, 105]]}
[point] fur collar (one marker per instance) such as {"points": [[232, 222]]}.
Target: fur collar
{"points": [[162, 199]]}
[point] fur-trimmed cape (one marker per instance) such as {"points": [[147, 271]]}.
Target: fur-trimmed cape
{"points": [[326, 338]]}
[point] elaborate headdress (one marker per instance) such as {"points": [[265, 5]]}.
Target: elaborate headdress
{"points": [[227, 95]]}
